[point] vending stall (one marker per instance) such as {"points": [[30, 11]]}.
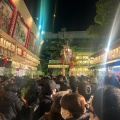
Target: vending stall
{"points": [[107, 60]]}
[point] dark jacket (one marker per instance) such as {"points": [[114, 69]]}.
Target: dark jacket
{"points": [[112, 81], [72, 83], [64, 86], [11, 105], [85, 116], [47, 117], [45, 105]]}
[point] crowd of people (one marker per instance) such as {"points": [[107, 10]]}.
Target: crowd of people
{"points": [[60, 98]]}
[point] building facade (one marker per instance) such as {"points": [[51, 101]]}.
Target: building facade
{"points": [[107, 60], [19, 39]]}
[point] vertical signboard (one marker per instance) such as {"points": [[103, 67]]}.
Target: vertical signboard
{"points": [[21, 30], [32, 43]]}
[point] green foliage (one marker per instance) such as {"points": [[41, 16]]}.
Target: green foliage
{"points": [[26, 87], [56, 72], [6, 72], [106, 10], [50, 50], [24, 91], [95, 31], [44, 65], [39, 72], [105, 14]]}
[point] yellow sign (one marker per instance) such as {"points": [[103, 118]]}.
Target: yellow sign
{"points": [[58, 66]]}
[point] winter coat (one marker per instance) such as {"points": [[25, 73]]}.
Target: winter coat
{"points": [[83, 117], [73, 84], [112, 81], [45, 105], [11, 105], [47, 117]]}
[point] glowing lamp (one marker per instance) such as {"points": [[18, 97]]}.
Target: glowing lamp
{"points": [[106, 50]]}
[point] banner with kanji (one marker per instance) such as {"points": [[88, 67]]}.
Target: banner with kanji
{"points": [[21, 30], [6, 10], [32, 43]]}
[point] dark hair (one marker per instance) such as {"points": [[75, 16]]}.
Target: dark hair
{"points": [[40, 75], [55, 109], [58, 77], [74, 103], [2, 117], [11, 87], [44, 80], [106, 103], [84, 88]]}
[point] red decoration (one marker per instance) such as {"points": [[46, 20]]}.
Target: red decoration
{"points": [[71, 64], [62, 59], [5, 61], [22, 53], [17, 69]]}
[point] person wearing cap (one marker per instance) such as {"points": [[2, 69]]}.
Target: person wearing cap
{"points": [[47, 99]]}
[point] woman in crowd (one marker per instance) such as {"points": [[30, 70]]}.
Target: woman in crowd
{"points": [[47, 97], [73, 107], [54, 113]]}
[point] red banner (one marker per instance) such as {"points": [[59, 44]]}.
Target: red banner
{"points": [[12, 23]]}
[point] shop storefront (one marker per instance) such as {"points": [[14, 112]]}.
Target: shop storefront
{"points": [[15, 58], [19, 41], [107, 61]]}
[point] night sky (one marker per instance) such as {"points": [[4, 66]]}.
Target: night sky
{"points": [[74, 15]]}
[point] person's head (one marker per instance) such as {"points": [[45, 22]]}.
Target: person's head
{"points": [[72, 105], [50, 87], [106, 103], [11, 87], [55, 109], [44, 80], [12, 80], [40, 77], [64, 87], [84, 88], [59, 79]]}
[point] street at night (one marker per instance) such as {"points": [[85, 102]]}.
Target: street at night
{"points": [[59, 60]]}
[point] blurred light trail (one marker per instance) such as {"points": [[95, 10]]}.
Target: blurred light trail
{"points": [[54, 15], [113, 32], [43, 16]]}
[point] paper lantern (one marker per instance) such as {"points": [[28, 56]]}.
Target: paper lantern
{"points": [[22, 53], [5, 61]]}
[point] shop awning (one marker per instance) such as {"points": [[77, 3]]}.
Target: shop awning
{"points": [[115, 62]]}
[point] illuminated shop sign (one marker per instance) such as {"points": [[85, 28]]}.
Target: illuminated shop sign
{"points": [[112, 54], [58, 66]]}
